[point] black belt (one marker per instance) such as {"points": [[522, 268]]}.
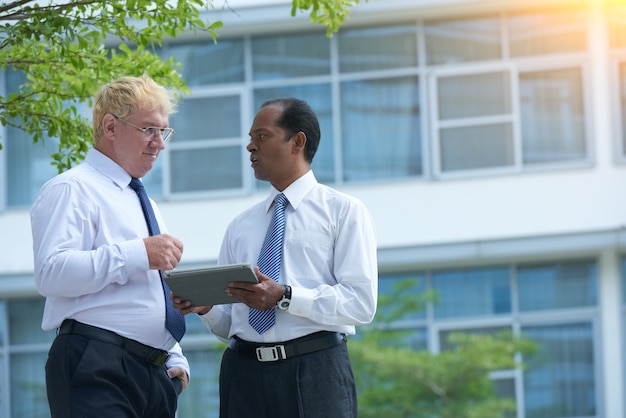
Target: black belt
{"points": [[149, 354], [282, 351]]}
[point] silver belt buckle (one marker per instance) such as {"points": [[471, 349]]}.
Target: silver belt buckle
{"points": [[274, 353]]}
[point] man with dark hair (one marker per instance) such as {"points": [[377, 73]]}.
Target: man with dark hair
{"points": [[287, 355]]}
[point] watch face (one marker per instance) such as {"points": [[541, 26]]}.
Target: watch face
{"points": [[283, 304]]}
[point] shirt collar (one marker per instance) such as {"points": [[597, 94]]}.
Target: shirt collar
{"points": [[108, 168], [296, 192]]}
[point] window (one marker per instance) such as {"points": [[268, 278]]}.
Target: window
{"points": [[560, 286], [423, 99], [552, 116], [207, 63], [381, 129], [297, 55], [28, 165], [553, 303], [467, 40], [475, 121], [547, 33], [507, 114], [560, 378], [478, 292], [25, 359], [208, 154], [377, 48]]}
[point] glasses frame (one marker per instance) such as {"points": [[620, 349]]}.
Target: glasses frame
{"points": [[150, 132]]}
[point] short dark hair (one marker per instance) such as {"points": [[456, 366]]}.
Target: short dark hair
{"points": [[297, 117]]}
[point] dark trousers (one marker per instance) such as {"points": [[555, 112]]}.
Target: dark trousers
{"points": [[89, 378], [319, 384]]}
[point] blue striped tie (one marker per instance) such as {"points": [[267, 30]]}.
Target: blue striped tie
{"points": [[269, 263], [174, 320]]}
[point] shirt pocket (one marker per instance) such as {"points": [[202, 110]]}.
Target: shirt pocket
{"points": [[308, 254]]}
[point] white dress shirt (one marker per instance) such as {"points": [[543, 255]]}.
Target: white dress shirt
{"points": [[90, 260], [329, 260]]}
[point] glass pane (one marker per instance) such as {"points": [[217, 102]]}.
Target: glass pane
{"points": [[3, 331], [538, 34], [624, 283], [381, 129], [559, 379], [445, 344], [373, 49], [474, 95], [207, 118], [3, 389], [206, 169], [505, 389], [412, 339], [476, 292], [28, 385], [453, 41], [616, 17], [393, 286], [553, 116], [28, 165], [558, 286], [475, 147], [622, 101], [318, 96], [201, 398], [25, 322], [209, 63], [293, 55]]}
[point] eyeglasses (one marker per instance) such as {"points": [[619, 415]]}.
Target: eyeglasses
{"points": [[150, 132]]}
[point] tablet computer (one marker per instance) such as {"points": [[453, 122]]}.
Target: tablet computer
{"points": [[205, 286]]}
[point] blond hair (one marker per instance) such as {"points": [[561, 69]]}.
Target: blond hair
{"points": [[125, 95]]}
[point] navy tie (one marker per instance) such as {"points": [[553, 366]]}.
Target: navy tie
{"points": [[269, 263], [174, 320]]}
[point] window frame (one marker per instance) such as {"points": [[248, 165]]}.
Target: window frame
{"points": [[618, 58], [242, 140]]}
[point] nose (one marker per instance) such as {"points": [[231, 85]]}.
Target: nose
{"points": [[157, 141], [251, 146]]}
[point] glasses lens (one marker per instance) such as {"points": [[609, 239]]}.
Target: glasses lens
{"points": [[167, 134], [150, 132]]}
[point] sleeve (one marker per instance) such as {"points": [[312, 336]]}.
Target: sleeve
{"points": [[353, 299], [178, 359], [64, 227]]}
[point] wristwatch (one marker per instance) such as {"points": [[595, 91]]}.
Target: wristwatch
{"points": [[283, 304]]}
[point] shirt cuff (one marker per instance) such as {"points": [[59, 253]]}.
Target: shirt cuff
{"points": [[135, 255], [301, 301]]}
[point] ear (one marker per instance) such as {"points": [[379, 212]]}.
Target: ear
{"points": [[109, 126], [299, 141]]}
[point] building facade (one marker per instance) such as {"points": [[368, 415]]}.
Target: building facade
{"points": [[487, 138]]}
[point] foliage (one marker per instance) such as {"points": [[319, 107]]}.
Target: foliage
{"points": [[329, 13], [61, 49], [67, 49], [395, 381]]}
